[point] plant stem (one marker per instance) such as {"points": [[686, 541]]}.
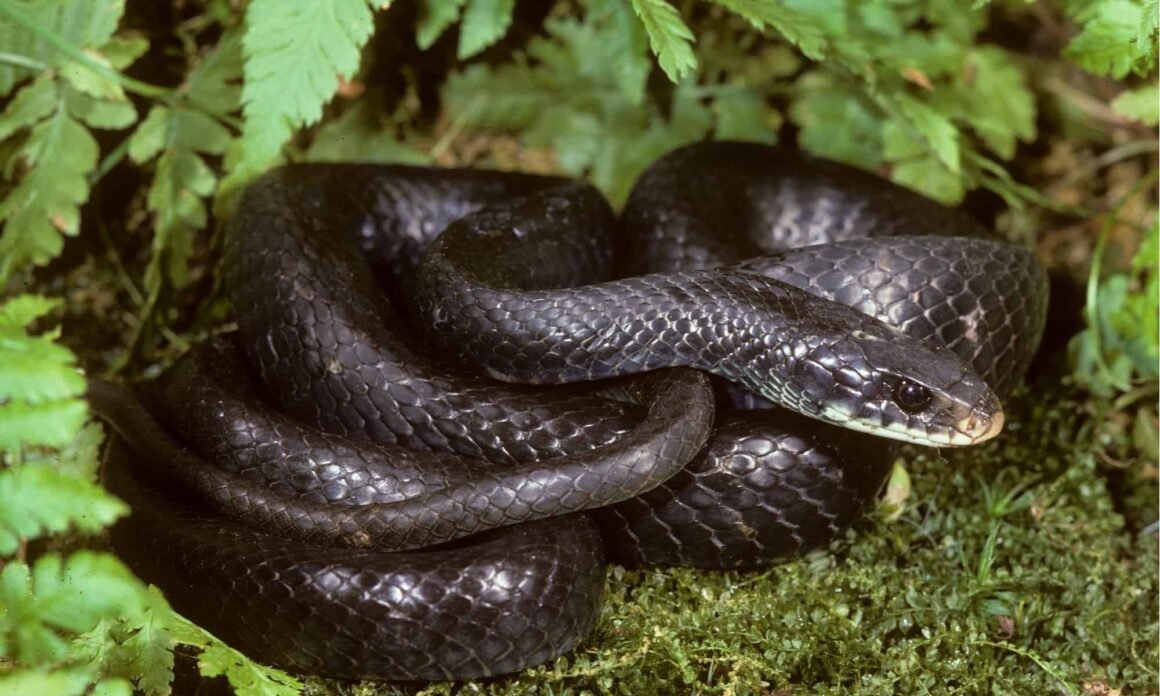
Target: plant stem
{"points": [[109, 161], [1092, 299], [19, 61], [9, 10]]}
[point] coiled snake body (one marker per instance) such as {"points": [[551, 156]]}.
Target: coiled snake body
{"points": [[404, 515]]}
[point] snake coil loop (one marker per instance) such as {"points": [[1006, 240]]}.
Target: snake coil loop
{"points": [[401, 514]]}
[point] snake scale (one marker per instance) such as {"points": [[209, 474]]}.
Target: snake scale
{"points": [[390, 470]]}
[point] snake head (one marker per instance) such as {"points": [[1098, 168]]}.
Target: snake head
{"points": [[878, 380]]}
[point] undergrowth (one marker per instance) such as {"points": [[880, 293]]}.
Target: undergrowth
{"points": [[1026, 566]]}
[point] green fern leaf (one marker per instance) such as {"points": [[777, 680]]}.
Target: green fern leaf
{"points": [[39, 383], [179, 137], [181, 182], [32, 104], [57, 682], [1146, 39], [835, 123], [999, 106], [112, 687], [56, 597], [932, 127], [357, 134], [247, 677], [669, 36], [44, 206], [914, 165], [123, 51], [1103, 47], [85, 24], [1142, 104], [150, 650], [295, 53], [135, 647], [88, 81], [41, 500], [799, 29], [484, 23], [20, 311], [434, 18], [79, 457], [743, 115], [215, 84], [616, 32], [47, 181], [106, 114]]}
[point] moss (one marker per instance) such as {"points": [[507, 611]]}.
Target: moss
{"points": [[1009, 571]]}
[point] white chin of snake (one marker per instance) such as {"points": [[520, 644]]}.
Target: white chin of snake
{"points": [[969, 431]]}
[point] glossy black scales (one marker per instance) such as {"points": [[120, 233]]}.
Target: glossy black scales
{"points": [[285, 440]]}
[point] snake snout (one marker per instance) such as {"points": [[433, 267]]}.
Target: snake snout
{"points": [[984, 422]]}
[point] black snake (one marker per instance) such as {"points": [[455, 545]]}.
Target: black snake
{"points": [[403, 516]]}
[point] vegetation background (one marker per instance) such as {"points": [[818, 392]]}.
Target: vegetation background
{"points": [[1025, 566]]}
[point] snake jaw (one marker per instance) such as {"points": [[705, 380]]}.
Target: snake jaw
{"points": [[979, 427], [970, 431]]}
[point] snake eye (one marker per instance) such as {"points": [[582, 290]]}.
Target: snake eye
{"points": [[911, 396]]}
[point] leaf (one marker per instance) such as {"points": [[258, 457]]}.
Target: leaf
{"points": [[508, 98], [79, 457], [247, 677], [934, 129], [88, 81], [743, 115], [1146, 38], [136, 646], [45, 204], [835, 123], [39, 606], [19, 312], [356, 136], [39, 384], [799, 29], [915, 167], [100, 113], [1137, 319], [58, 682], [149, 137], [613, 153], [610, 29], [434, 18], [181, 182], [831, 17], [32, 368], [33, 103], [929, 177], [1141, 104], [999, 106], [180, 136], [484, 23], [50, 424], [152, 651], [123, 51], [670, 38], [37, 371], [86, 24], [40, 500], [112, 687], [295, 53], [1103, 46], [215, 84]]}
